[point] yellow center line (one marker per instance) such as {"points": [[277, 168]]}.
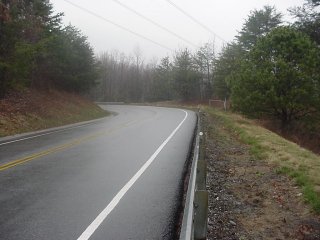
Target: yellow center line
{"points": [[63, 146], [47, 152]]}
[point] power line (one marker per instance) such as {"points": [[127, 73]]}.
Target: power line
{"points": [[118, 25], [154, 23], [195, 20]]}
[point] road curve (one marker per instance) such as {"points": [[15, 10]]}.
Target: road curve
{"points": [[117, 178]]}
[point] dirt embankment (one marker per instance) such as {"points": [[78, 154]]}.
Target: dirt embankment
{"points": [[248, 198], [31, 110]]}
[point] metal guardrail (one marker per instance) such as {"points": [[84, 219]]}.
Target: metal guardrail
{"points": [[194, 222]]}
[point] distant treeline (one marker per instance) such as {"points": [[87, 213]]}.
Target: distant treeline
{"points": [[271, 70], [127, 78], [36, 50]]}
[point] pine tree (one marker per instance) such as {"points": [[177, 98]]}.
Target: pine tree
{"points": [[258, 24], [186, 78], [280, 78], [308, 19]]}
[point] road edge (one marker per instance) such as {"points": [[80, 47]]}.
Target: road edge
{"points": [[16, 137], [195, 209]]}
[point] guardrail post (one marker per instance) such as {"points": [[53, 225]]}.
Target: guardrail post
{"points": [[201, 175], [201, 215], [201, 195], [202, 164]]}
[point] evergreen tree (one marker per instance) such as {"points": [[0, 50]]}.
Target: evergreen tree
{"points": [[162, 86], [186, 78], [258, 24], [24, 32], [73, 64], [308, 19], [225, 65], [280, 78], [36, 51]]}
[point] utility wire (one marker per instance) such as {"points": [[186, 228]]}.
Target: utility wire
{"points": [[195, 20], [154, 23], [118, 25]]}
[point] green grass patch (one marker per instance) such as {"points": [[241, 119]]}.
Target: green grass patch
{"points": [[256, 150], [290, 159], [301, 178]]}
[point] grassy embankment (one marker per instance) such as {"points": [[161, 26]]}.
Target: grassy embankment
{"points": [[32, 110], [286, 157]]}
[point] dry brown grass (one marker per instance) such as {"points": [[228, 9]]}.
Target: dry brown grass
{"points": [[289, 158], [31, 110]]}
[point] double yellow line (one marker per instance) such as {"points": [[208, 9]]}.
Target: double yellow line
{"points": [[61, 147], [48, 151]]}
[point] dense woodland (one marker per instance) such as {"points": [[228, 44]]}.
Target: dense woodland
{"points": [[270, 70], [37, 51]]}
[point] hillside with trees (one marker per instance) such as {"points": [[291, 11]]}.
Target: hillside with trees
{"points": [[37, 51], [271, 72], [44, 66]]}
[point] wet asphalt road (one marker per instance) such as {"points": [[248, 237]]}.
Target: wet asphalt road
{"points": [[55, 185]]}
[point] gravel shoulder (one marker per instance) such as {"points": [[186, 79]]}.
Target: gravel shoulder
{"points": [[248, 199]]}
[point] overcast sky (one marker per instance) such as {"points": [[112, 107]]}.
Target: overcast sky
{"points": [[223, 17]]}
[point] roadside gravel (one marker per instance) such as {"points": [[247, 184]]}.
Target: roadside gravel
{"points": [[247, 198]]}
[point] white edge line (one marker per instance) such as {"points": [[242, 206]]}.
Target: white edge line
{"points": [[188, 213], [43, 134], [103, 215]]}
